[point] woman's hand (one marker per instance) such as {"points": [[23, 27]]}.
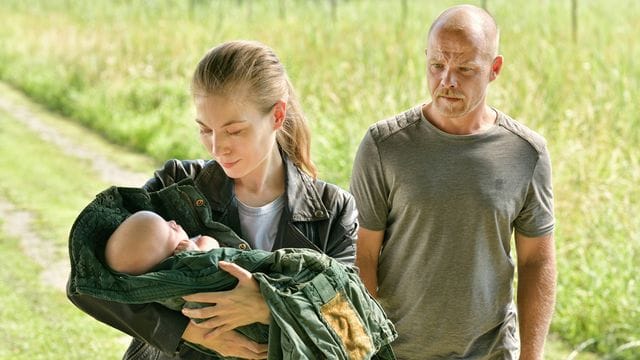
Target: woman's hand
{"points": [[227, 344], [230, 309]]}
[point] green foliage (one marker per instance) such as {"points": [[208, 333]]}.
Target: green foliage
{"points": [[123, 68]]}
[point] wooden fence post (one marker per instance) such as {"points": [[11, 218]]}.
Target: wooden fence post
{"points": [[334, 9], [574, 20], [405, 9]]}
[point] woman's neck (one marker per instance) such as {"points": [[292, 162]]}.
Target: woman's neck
{"points": [[265, 184]]}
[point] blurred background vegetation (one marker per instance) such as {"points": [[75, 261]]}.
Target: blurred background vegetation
{"points": [[571, 73]]}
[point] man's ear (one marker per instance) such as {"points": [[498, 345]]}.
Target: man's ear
{"points": [[279, 114], [496, 67]]}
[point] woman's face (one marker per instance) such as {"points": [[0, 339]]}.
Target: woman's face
{"points": [[237, 134]]}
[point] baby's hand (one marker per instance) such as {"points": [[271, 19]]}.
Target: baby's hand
{"points": [[206, 243], [185, 245]]}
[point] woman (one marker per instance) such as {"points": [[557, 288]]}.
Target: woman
{"points": [[262, 184]]}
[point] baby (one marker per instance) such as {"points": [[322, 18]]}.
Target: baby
{"points": [[144, 239]]}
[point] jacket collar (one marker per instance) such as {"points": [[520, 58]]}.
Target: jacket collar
{"points": [[303, 201]]}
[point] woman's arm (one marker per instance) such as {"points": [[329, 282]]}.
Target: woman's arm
{"points": [[157, 325], [342, 230], [154, 323]]}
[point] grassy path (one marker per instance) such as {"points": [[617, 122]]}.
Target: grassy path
{"points": [[52, 169]]}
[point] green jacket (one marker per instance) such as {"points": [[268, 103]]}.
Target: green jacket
{"points": [[320, 309]]}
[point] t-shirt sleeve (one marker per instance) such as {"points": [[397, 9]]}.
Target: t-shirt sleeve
{"points": [[368, 185], [536, 217]]}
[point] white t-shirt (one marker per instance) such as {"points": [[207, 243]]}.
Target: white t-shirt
{"points": [[259, 225]]}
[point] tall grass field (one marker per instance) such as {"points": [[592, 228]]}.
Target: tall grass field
{"points": [[123, 68]]}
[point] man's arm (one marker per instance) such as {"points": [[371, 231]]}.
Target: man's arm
{"points": [[536, 292], [367, 254]]}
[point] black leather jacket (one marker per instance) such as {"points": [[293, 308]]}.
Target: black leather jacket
{"points": [[317, 215]]}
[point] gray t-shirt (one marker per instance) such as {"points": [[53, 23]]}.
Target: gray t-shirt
{"points": [[448, 205]]}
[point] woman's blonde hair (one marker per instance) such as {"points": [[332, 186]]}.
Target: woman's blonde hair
{"points": [[253, 69]]}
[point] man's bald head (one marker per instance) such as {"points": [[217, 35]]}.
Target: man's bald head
{"points": [[470, 21]]}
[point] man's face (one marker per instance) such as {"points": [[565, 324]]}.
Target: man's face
{"points": [[458, 72]]}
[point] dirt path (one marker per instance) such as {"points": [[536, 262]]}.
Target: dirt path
{"points": [[108, 171], [18, 223]]}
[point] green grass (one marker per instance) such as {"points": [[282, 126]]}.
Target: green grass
{"points": [[38, 322], [123, 68], [68, 182], [35, 165]]}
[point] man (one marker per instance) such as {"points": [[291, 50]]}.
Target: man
{"points": [[440, 189]]}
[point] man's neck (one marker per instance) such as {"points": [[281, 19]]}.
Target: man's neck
{"points": [[474, 122]]}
